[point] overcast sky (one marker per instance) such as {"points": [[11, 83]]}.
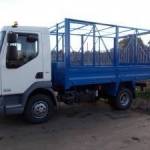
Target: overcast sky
{"points": [[48, 12]]}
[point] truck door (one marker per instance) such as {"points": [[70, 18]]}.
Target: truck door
{"points": [[20, 73]]}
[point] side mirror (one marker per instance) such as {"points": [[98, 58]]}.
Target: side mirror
{"points": [[12, 54], [32, 38], [12, 37]]}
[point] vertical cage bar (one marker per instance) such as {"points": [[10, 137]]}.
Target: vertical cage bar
{"points": [[94, 44], [57, 42], [82, 50], [99, 47], [116, 48], [67, 42], [63, 47], [135, 53]]}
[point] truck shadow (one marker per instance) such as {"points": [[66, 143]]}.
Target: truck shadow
{"points": [[77, 111]]}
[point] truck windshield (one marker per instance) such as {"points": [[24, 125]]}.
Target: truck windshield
{"points": [[2, 35]]}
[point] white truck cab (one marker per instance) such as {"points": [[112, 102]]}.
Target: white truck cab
{"points": [[25, 70]]}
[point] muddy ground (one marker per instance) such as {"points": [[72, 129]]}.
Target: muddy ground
{"points": [[80, 127]]}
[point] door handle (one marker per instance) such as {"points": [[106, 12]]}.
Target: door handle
{"points": [[39, 75]]}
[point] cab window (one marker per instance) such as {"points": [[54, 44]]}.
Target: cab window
{"points": [[22, 51]]}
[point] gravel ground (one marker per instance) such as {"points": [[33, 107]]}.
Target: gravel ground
{"points": [[80, 127]]}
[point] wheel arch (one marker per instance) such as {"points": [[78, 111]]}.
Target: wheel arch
{"points": [[129, 85], [40, 88], [113, 88]]}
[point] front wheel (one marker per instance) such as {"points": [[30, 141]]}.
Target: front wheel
{"points": [[123, 100], [39, 108]]}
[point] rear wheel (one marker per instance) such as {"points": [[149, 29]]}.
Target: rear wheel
{"points": [[39, 108], [123, 100]]}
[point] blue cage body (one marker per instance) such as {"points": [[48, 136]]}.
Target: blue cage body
{"points": [[90, 53]]}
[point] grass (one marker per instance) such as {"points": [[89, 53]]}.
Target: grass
{"points": [[143, 94]]}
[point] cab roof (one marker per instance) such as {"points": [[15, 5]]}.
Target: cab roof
{"points": [[25, 28]]}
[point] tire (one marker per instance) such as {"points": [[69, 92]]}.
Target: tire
{"points": [[39, 109], [123, 100]]}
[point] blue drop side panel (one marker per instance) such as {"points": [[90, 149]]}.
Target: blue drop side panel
{"points": [[78, 76]]}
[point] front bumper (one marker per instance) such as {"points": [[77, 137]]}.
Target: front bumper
{"points": [[9, 109]]}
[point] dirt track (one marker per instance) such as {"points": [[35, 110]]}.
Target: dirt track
{"points": [[86, 127]]}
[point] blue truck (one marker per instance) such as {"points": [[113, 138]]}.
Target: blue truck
{"points": [[72, 62]]}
